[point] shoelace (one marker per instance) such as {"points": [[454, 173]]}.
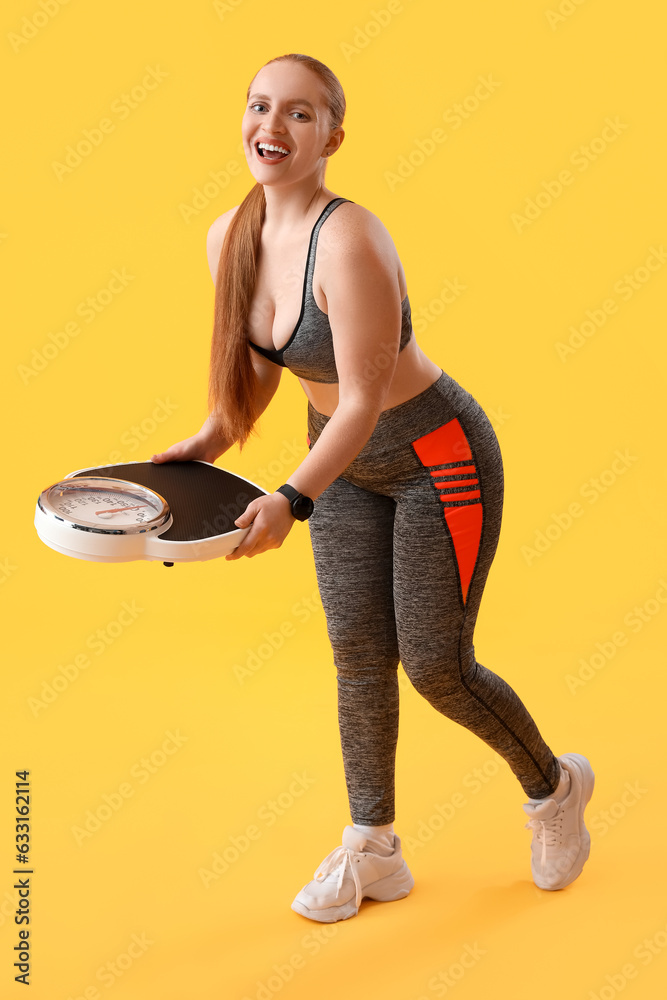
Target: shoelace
{"points": [[341, 857], [547, 833]]}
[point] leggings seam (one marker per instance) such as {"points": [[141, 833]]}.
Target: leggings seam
{"points": [[478, 697]]}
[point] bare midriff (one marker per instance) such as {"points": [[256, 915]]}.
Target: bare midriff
{"points": [[414, 372]]}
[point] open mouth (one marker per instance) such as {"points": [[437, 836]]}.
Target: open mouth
{"points": [[274, 154]]}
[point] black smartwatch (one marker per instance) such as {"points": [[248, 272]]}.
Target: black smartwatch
{"points": [[302, 507]]}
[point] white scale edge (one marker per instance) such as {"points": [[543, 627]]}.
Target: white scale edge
{"points": [[94, 547]]}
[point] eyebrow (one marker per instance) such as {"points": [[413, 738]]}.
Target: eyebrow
{"points": [[290, 100]]}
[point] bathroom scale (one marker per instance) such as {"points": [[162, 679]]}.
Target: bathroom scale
{"points": [[169, 512]]}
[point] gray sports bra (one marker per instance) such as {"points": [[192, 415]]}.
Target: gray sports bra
{"points": [[310, 355]]}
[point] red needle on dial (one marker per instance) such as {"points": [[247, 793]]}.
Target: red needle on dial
{"points": [[117, 510]]}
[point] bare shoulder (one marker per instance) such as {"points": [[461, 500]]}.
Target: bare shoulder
{"points": [[352, 228], [216, 237], [356, 242]]}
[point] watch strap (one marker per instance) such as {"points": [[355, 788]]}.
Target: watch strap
{"points": [[302, 506], [288, 491]]}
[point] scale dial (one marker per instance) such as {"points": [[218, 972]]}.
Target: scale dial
{"points": [[104, 505]]}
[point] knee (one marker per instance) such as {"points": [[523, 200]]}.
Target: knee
{"points": [[359, 648], [440, 675]]}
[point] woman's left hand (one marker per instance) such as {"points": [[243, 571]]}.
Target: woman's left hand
{"points": [[271, 518]]}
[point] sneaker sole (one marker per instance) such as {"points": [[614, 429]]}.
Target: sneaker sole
{"points": [[385, 890], [580, 764]]}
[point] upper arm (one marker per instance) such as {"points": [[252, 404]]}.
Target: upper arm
{"points": [[268, 374], [215, 238], [364, 305], [268, 378]]}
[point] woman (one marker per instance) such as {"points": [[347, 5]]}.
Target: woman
{"points": [[402, 486]]}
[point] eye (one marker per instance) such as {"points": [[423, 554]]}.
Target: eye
{"points": [[303, 117]]}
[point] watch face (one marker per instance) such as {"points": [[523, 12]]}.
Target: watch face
{"points": [[302, 507]]}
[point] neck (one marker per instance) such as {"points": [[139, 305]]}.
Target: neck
{"points": [[288, 209]]}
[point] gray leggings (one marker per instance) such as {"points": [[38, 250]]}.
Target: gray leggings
{"points": [[403, 543]]}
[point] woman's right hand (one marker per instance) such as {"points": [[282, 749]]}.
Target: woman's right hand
{"points": [[204, 446]]}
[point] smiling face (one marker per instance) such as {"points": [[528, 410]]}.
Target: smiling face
{"points": [[287, 108]]}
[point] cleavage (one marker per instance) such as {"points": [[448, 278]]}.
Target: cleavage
{"points": [[274, 316]]}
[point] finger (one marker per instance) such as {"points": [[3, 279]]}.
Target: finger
{"points": [[255, 548], [237, 553], [164, 456], [246, 518], [240, 549], [250, 545], [244, 549]]}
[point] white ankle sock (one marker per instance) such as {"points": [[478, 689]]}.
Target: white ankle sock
{"points": [[380, 838], [561, 791]]}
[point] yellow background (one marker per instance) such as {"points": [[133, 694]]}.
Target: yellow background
{"points": [[174, 668]]}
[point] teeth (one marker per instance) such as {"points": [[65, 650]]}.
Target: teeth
{"points": [[266, 145]]}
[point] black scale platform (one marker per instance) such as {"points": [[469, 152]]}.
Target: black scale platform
{"points": [[203, 499]]}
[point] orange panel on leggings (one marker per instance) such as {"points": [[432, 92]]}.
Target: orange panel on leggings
{"points": [[445, 452]]}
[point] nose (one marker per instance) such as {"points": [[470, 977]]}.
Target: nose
{"points": [[273, 122]]}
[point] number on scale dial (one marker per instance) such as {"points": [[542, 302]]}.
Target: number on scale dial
{"points": [[99, 504]]}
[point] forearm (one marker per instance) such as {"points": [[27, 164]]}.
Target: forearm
{"points": [[215, 442], [341, 440]]}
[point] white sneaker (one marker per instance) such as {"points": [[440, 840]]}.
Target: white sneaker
{"points": [[349, 874], [561, 843]]}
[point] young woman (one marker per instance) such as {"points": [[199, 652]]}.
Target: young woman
{"points": [[402, 486]]}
